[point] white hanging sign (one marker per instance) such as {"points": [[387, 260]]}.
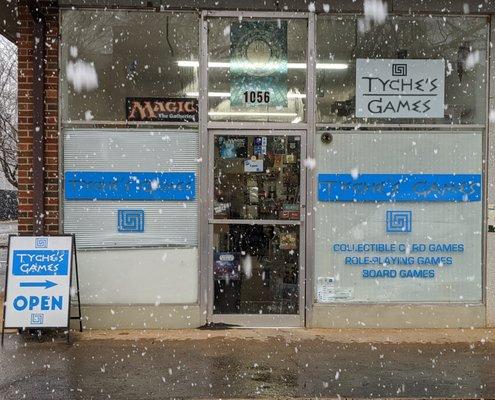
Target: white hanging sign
{"points": [[388, 88]]}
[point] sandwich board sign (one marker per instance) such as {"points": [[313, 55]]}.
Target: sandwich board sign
{"points": [[38, 282]]}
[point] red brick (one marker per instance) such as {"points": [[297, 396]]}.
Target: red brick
{"points": [[25, 78]]}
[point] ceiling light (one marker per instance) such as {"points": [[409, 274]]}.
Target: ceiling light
{"points": [[332, 66], [251, 114], [227, 94], [217, 64]]}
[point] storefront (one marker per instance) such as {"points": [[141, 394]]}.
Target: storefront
{"points": [[276, 168]]}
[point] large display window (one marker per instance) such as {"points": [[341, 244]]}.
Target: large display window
{"points": [[401, 219], [458, 44], [130, 196], [108, 57], [128, 188]]}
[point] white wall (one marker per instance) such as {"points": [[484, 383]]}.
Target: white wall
{"points": [[139, 276]]}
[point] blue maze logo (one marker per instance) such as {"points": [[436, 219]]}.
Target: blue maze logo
{"points": [[41, 243], [399, 221], [37, 319], [131, 221]]}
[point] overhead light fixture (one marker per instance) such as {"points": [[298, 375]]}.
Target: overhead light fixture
{"points": [[195, 64], [251, 114], [332, 66], [296, 96], [184, 63], [319, 65], [216, 64], [210, 94], [227, 94]]}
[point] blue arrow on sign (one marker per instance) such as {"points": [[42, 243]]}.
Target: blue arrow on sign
{"points": [[47, 284]]}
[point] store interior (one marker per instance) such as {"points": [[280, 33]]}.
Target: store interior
{"points": [[256, 262]]}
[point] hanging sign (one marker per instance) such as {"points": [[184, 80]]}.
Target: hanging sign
{"points": [[400, 88], [258, 63], [171, 109], [38, 285]]}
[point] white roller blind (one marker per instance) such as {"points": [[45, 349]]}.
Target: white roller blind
{"points": [[95, 222], [453, 275]]}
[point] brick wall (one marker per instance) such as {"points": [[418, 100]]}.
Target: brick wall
{"points": [[25, 50]]}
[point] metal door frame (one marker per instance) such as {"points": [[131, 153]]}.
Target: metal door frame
{"points": [[306, 129], [259, 320]]}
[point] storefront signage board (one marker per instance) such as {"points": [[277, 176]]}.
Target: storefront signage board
{"points": [[38, 282], [168, 109], [387, 88]]}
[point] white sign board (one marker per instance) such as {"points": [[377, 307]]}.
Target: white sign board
{"points": [[400, 88], [38, 282]]}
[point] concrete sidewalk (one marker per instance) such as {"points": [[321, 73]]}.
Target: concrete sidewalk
{"points": [[246, 363]]}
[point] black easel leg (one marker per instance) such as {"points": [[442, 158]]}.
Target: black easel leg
{"points": [[77, 283]]}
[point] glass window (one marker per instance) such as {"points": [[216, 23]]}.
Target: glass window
{"points": [[257, 69], [256, 269], [400, 220], [460, 41], [131, 187], [257, 177], [109, 56]]}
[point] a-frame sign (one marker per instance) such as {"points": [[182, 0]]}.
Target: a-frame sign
{"points": [[38, 284]]}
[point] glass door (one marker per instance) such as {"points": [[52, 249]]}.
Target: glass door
{"points": [[257, 194]]}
